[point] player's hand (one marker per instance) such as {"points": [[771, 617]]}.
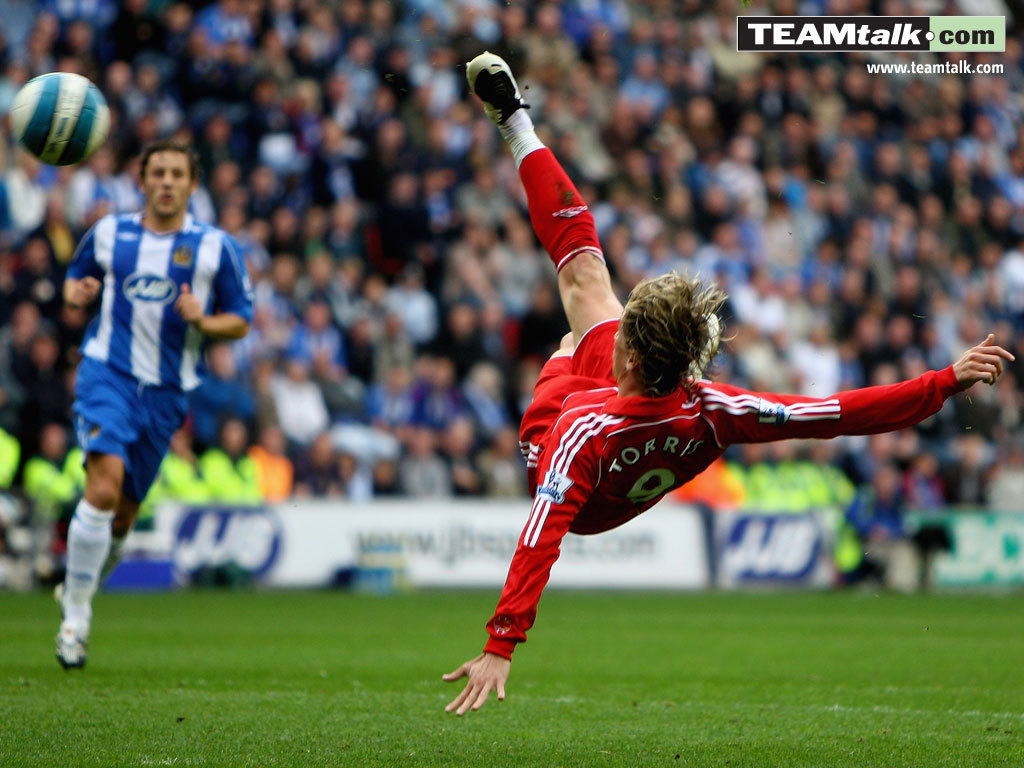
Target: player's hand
{"points": [[983, 362], [487, 672], [187, 305], [78, 294]]}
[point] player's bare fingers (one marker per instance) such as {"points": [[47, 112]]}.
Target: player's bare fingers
{"points": [[501, 691], [472, 691], [993, 361], [997, 351], [481, 698], [460, 698]]}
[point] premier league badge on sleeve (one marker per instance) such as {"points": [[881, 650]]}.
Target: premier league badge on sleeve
{"points": [[772, 413], [554, 486]]}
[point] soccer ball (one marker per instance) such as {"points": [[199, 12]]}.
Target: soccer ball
{"points": [[61, 118]]}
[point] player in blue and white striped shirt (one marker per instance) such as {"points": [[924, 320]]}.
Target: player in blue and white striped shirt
{"points": [[166, 284]]}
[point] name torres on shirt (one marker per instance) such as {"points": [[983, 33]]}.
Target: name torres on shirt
{"points": [[631, 454]]}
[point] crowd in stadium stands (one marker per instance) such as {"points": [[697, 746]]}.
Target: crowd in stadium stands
{"points": [[867, 227]]}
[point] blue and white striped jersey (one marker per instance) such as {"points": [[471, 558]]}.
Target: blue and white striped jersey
{"points": [[137, 330]]}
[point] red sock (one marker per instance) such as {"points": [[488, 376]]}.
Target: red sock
{"points": [[559, 216]]}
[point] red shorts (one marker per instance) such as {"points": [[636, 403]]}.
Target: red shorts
{"points": [[590, 367]]}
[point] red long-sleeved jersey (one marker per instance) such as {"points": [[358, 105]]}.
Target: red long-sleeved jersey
{"points": [[608, 458]]}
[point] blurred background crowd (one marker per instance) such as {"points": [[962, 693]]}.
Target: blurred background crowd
{"points": [[867, 228]]}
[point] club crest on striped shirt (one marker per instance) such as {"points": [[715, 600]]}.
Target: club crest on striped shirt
{"points": [[772, 413], [554, 486], [182, 256]]}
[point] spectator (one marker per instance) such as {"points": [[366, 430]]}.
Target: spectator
{"points": [[423, 474], [922, 485], [385, 479], [299, 404], [485, 399], [24, 194], [436, 399], [56, 232], [51, 491], [228, 472], [410, 301], [274, 470], [48, 396], [220, 394], [39, 280], [1005, 492], [501, 466], [877, 516], [461, 340], [317, 470], [458, 445], [544, 325], [92, 191], [319, 345]]}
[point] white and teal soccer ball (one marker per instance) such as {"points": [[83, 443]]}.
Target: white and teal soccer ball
{"points": [[61, 118]]}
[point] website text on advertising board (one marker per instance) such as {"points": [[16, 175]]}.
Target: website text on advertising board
{"points": [[937, 68], [461, 542]]}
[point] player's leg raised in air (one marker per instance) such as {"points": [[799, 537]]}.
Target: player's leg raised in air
{"points": [[558, 213], [566, 230]]}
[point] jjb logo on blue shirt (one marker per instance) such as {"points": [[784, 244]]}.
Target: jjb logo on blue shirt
{"points": [[150, 288], [136, 329]]}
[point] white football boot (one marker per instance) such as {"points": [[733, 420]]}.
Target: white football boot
{"points": [[72, 641], [491, 79]]}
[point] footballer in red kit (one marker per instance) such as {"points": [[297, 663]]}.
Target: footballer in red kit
{"points": [[621, 414]]}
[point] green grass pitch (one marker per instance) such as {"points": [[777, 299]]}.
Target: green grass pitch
{"points": [[607, 679]]}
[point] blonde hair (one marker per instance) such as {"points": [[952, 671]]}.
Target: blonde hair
{"points": [[670, 323]]}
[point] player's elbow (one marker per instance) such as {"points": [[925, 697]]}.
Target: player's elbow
{"points": [[240, 330]]}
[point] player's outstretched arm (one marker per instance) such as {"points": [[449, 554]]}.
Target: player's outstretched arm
{"points": [[742, 416], [487, 672], [80, 293], [982, 362]]}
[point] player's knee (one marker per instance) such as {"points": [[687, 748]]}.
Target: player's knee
{"points": [[102, 495], [103, 490]]}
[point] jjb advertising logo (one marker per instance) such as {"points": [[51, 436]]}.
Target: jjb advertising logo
{"points": [[149, 288], [871, 33], [759, 548], [208, 537]]}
